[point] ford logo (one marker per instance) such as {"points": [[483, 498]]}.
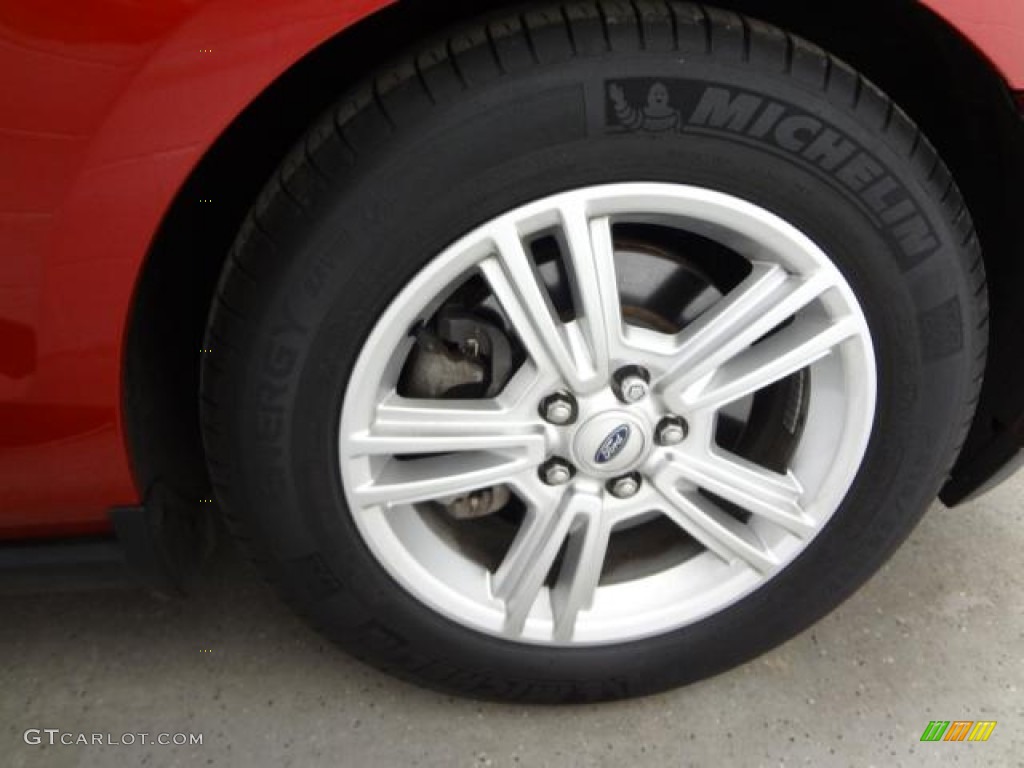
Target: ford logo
{"points": [[612, 445]]}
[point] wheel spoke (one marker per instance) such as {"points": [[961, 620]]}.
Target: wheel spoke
{"points": [[513, 278], [579, 574], [411, 426], [520, 577], [754, 489], [465, 445], [767, 298], [698, 516], [438, 477], [591, 269], [803, 343]]}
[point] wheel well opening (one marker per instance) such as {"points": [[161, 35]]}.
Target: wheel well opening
{"points": [[937, 77]]}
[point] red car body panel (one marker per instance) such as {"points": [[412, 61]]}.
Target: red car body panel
{"points": [[995, 27], [106, 106]]}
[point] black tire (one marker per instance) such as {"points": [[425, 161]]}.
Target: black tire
{"points": [[512, 109]]}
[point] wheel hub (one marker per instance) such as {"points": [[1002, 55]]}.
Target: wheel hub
{"points": [[611, 443]]}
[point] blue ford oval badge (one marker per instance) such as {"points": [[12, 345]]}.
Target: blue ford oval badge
{"points": [[613, 444]]}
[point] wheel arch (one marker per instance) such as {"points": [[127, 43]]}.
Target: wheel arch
{"points": [[955, 94]]}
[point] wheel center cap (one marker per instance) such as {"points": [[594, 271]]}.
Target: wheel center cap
{"points": [[610, 443]]}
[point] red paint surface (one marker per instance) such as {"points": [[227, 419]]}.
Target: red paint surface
{"points": [[996, 27], [105, 108]]}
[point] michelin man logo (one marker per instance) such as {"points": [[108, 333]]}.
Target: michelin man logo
{"points": [[656, 116]]}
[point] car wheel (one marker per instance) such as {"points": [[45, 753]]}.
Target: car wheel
{"points": [[592, 351]]}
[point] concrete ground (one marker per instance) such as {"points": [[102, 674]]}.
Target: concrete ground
{"points": [[937, 635]]}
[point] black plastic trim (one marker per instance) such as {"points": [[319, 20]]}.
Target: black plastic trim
{"points": [[62, 564], [160, 545]]}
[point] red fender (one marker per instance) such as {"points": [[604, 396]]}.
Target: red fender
{"points": [[106, 106]]}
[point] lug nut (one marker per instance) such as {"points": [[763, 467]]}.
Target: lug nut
{"points": [[559, 408], [671, 430], [632, 383], [625, 486], [556, 471]]}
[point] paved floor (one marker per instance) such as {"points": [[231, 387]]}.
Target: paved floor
{"points": [[938, 634]]}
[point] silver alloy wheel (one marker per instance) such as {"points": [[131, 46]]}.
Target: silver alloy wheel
{"points": [[793, 311]]}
